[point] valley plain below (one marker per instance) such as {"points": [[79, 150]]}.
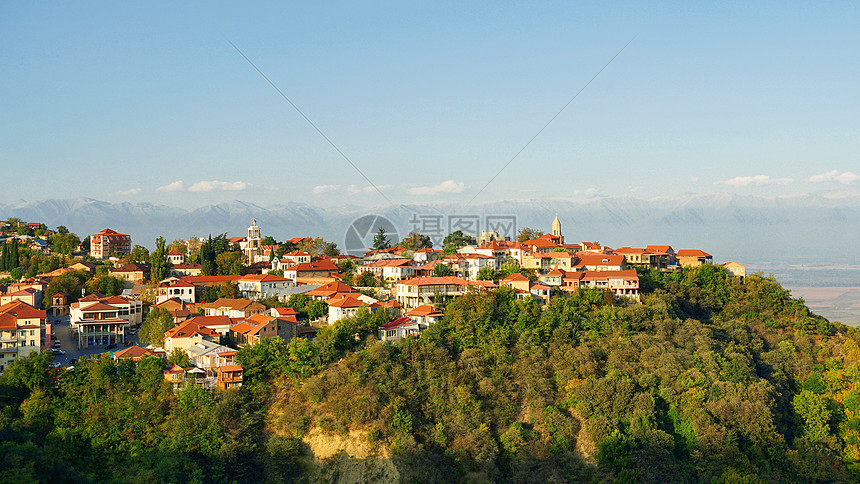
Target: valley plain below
{"points": [[840, 304]]}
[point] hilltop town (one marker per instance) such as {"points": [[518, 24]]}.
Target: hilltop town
{"points": [[195, 303]]}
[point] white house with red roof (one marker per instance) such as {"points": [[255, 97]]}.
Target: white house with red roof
{"points": [[188, 333], [311, 270], [262, 286], [176, 288], [398, 329], [100, 320], [422, 290], [389, 269], [175, 257], [425, 315], [344, 307], [425, 255]]}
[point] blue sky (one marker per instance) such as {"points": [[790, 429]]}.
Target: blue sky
{"points": [[151, 103]]}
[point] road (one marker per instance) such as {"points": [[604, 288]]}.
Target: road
{"points": [[62, 331]]}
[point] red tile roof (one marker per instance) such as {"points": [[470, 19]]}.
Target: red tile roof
{"points": [[425, 310], [396, 323], [692, 253], [347, 302]]}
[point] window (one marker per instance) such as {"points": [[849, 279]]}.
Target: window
{"points": [[32, 342], [391, 333]]}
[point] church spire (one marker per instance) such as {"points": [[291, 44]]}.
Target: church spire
{"points": [[556, 230]]}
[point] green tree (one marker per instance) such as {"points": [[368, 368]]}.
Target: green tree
{"points": [[813, 414], [298, 302], [527, 233], [320, 247], [154, 326], [230, 263], [30, 372], [139, 254], [61, 229], [64, 243], [69, 283], [380, 240], [178, 357], [441, 270], [365, 279], [180, 246], [268, 240], [486, 274], [317, 309], [159, 263], [414, 241], [458, 238]]}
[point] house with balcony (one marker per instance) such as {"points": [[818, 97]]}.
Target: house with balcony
{"points": [[263, 286], [23, 330], [623, 283], [99, 320], [230, 376], [109, 243], [693, 258], [176, 288], [411, 293], [398, 329]]}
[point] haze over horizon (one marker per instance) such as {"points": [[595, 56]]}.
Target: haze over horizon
{"points": [[151, 103]]}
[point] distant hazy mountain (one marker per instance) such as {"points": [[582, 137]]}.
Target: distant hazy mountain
{"points": [[761, 232]]}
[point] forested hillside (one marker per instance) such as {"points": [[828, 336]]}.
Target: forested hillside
{"points": [[707, 380]]}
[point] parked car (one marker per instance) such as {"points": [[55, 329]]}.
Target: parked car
{"points": [[59, 352], [110, 346], [56, 344], [73, 361]]}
